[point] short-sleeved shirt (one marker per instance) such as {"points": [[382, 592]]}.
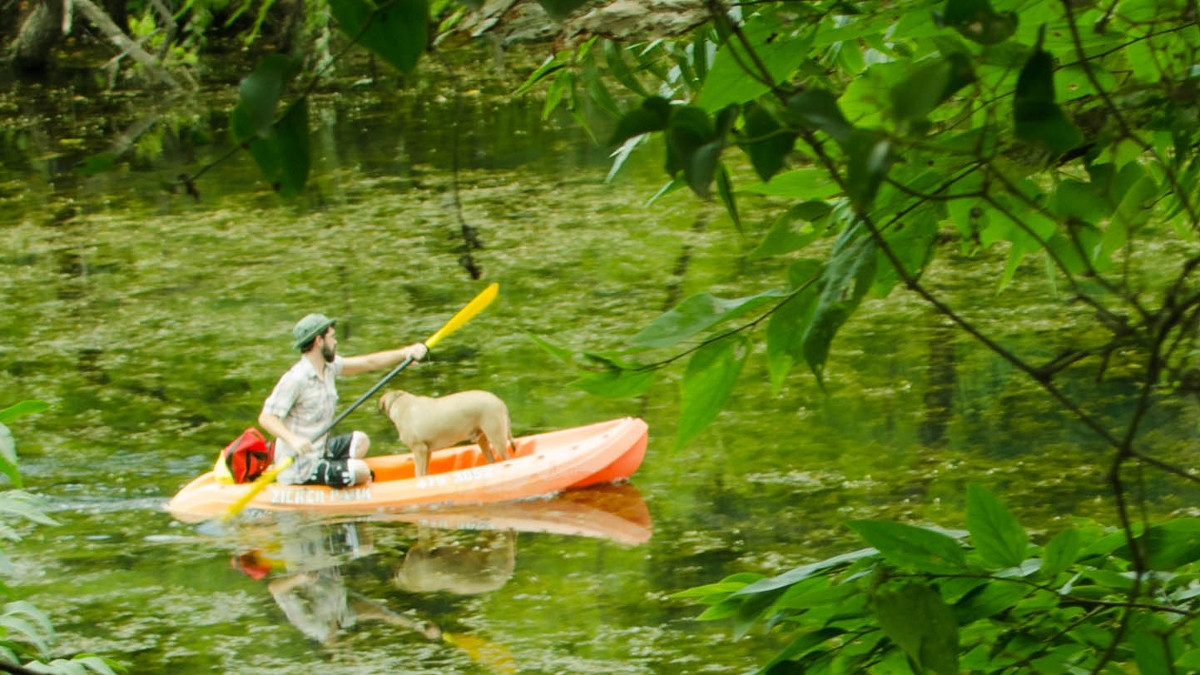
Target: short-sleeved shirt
{"points": [[306, 404]]}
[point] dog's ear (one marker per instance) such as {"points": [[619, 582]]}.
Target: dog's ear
{"points": [[382, 405]]}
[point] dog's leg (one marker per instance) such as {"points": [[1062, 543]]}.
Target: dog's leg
{"points": [[420, 452], [486, 447]]}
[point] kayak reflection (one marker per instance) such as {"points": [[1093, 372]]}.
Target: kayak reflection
{"points": [[616, 512], [460, 551]]}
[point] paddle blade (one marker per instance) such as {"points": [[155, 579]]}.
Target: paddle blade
{"points": [[465, 314], [256, 487], [495, 656]]}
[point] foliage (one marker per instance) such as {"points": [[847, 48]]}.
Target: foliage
{"points": [[25, 631], [920, 600], [1064, 132]]}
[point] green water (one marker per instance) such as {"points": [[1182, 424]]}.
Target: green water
{"points": [[155, 325]]}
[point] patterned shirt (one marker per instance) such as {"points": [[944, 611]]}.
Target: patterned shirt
{"points": [[305, 403]]}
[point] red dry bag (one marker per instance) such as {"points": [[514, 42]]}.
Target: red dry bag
{"points": [[246, 458]]}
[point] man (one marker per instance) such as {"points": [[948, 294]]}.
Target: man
{"points": [[304, 401]]}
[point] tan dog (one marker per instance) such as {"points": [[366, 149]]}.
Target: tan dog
{"points": [[426, 424]]}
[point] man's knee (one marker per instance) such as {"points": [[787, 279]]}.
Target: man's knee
{"points": [[360, 443], [359, 471]]}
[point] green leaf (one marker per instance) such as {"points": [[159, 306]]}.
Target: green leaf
{"points": [[1080, 200], [1152, 653], [801, 646], [818, 109], [551, 65], [652, 115], [8, 456], [96, 664], [798, 574], [615, 382], [799, 184], [694, 145], [751, 610], [989, 600], [728, 82], [766, 141], [26, 630], [99, 163], [845, 280], [561, 353], [977, 21], [1170, 545], [614, 56], [24, 505], [1190, 660], [913, 243], [259, 92], [870, 156], [1061, 552], [396, 30], [725, 586], [995, 533], [916, 618], [707, 382], [1036, 117], [725, 191], [696, 314], [28, 609], [793, 229], [786, 327], [912, 547], [22, 409], [929, 86], [283, 157], [594, 84]]}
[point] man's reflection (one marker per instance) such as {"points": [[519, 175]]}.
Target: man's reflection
{"points": [[312, 592]]}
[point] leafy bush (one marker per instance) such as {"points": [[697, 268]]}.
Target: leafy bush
{"points": [[26, 631], [985, 600]]}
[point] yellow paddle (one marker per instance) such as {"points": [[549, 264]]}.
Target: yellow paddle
{"points": [[464, 315], [496, 657]]}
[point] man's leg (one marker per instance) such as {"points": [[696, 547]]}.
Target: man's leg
{"points": [[341, 465]]}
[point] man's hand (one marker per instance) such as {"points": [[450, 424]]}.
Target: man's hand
{"points": [[302, 445], [418, 351]]}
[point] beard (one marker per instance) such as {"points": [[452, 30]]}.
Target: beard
{"points": [[328, 351]]}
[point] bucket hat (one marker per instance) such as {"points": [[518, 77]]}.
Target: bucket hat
{"points": [[310, 327]]}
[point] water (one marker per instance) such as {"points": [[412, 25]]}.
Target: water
{"points": [[155, 324]]}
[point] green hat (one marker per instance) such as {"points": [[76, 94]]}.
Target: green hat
{"points": [[310, 327]]}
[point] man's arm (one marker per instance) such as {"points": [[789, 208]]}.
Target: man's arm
{"points": [[384, 359], [275, 426]]}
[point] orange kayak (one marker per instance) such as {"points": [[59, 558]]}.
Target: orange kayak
{"points": [[543, 464]]}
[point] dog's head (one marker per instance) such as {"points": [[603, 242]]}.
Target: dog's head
{"points": [[388, 398]]}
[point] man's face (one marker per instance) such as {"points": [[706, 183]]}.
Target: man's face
{"points": [[329, 345]]}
